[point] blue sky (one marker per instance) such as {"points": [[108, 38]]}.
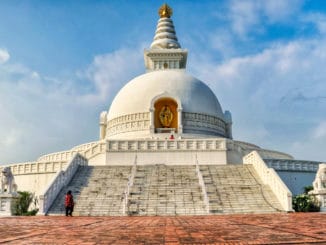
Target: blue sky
{"points": [[62, 62]]}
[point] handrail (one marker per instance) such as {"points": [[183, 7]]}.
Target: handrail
{"points": [[61, 179], [36, 167], [66, 155], [271, 178], [292, 165], [128, 187], [202, 185]]}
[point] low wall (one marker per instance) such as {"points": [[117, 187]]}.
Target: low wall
{"points": [[33, 176], [168, 158], [270, 178], [170, 152], [60, 179], [88, 150]]}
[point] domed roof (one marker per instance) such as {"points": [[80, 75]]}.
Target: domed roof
{"points": [[137, 95]]}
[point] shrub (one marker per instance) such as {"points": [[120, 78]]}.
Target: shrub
{"points": [[23, 202], [305, 203], [307, 189]]}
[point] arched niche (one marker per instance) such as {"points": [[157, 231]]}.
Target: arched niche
{"points": [[166, 114]]}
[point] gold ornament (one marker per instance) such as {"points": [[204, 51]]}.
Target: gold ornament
{"points": [[165, 11], [166, 116]]}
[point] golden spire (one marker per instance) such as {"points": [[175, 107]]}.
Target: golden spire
{"points": [[165, 11]]}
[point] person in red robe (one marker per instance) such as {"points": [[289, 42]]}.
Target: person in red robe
{"points": [[69, 203]]}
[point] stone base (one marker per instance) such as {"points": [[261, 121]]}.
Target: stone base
{"points": [[7, 202], [321, 197]]}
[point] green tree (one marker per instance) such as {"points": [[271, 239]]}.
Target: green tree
{"points": [[23, 202], [305, 202]]}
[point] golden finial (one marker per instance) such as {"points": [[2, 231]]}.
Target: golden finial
{"points": [[165, 11]]}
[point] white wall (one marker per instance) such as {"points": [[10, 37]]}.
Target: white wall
{"points": [[34, 183], [168, 158]]}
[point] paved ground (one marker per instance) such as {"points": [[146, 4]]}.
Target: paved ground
{"points": [[296, 228]]}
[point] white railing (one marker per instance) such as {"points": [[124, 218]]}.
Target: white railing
{"points": [[85, 146], [166, 145], [95, 149], [128, 187], [36, 167], [271, 178], [58, 156], [66, 155], [202, 185], [293, 165], [61, 179]]}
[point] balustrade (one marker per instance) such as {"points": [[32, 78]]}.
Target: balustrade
{"points": [[270, 177], [202, 185], [61, 179]]}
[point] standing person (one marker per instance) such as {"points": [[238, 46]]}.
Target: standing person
{"points": [[69, 203]]}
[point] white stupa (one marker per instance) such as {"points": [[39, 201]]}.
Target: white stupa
{"points": [[195, 110], [165, 116]]}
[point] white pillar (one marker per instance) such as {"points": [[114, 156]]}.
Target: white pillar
{"points": [[180, 127], [103, 124], [152, 120]]}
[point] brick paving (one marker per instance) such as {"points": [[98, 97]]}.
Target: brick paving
{"points": [[294, 228]]}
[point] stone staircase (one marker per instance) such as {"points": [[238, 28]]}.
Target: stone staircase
{"points": [[237, 189], [166, 190], [97, 190]]}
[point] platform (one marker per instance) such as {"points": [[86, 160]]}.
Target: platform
{"points": [[294, 228]]}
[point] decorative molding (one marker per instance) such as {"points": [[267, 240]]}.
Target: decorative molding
{"points": [[193, 122], [37, 167], [165, 95], [203, 123], [166, 145], [127, 123], [156, 58], [66, 155], [292, 165]]}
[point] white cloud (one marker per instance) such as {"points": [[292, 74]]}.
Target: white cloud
{"points": [[243, 15], [4, 56], [41, 115], [308, 149], [318, 19], [249, 15], [276, 96], [108, 72], [280, 10], [320, 131]]}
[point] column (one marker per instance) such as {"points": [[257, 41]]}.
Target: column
{"points": [[180, 127], [151, 121]]}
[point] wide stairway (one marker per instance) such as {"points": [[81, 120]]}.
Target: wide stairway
{"points": [[167, 190], [97, 190], [237, 189]]}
